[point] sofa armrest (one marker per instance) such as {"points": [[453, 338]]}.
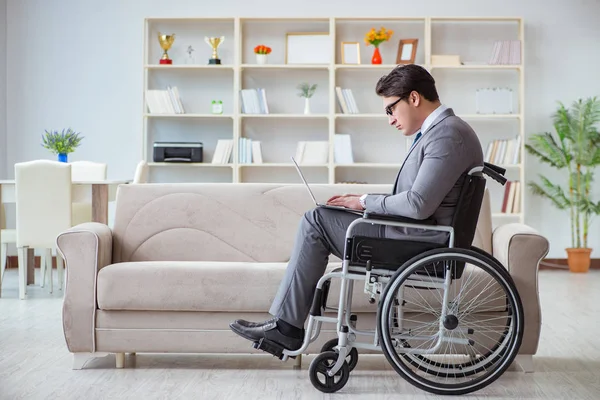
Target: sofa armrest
{"points": [[520, 249], [86, 248]]}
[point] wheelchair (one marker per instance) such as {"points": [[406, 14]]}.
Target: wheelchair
{"points": [[449, 317]]}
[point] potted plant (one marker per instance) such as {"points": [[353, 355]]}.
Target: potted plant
{"points": [[262, 53], [375, 38], [307, 91], [576, 149], [61, 143]]}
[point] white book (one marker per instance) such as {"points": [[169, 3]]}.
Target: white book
{"points": [[342, 149], [219, 152], [178, 98], [341, 100], [256, 152], [228, 152]]}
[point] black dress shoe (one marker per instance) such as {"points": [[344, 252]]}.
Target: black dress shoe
{"points": [[268, 331], [249, 324]]}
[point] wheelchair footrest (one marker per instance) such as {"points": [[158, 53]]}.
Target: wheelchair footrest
{"points": [[270, 347]]}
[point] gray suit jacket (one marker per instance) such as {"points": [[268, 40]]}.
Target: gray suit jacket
{"points": [[428, 183]]}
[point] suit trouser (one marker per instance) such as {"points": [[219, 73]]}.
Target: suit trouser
{"points": [[321, 232]]}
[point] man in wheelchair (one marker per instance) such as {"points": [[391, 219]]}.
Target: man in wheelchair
{"points": [[402, 235]]}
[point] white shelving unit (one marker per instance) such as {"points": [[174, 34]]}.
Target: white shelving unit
{"points": [[378, 149]]}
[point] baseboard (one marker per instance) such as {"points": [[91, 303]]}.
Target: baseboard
{"points": [[13, 262], [562, 262]]}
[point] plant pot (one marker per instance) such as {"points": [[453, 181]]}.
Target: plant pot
{"points": [[579, 259], [261, 59], [306, 105], [62, 157], [376, 59]]}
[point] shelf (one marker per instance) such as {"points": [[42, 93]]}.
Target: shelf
{"points": [[187, 165], [285, 66], [367, 66], [284, 115], [489, 116], [477, 66], [284, 165], [188, 115], [378, 149], [189, 66], [476, 19], [463, 116], [369, 165]]}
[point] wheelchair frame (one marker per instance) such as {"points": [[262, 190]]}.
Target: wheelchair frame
{"points": [[345, 324]]}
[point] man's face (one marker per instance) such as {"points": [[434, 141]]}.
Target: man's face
{"points": [[402, 113]]}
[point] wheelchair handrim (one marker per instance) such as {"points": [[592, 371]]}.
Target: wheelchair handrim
{"points": [[467, 256]]}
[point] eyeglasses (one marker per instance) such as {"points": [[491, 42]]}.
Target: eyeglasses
{"points": [[388, 108]]}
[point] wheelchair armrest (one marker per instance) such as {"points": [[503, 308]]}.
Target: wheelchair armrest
{"points": [[399, 218]]}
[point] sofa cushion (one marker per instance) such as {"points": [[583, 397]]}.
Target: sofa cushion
{"points": [[247, 222], [200, 286], [220, 287]]}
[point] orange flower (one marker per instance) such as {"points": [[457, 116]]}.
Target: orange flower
{"points": [[262, 49], [376, 37]]}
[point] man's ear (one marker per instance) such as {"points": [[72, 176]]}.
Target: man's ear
{"points": [[415, 98]]}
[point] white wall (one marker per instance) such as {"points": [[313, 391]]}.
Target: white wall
{"points": [[3, 161], [75, 64]]}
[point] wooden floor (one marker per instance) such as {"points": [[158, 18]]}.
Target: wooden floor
{"points": [[35, 364]]}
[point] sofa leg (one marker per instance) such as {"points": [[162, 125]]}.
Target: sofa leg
{"points": [[80, 359], [120, 360], [298, 362], [525, 361]]}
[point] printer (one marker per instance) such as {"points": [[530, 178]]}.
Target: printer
{"points": [[190, 152]]}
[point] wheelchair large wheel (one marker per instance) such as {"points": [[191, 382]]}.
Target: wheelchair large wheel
{"points": [[447, 332], [491, 355]]}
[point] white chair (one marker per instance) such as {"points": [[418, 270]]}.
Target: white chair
{"points": [[88, 171], [82, 194], [141, 172], [6, 236], [43, 197]]}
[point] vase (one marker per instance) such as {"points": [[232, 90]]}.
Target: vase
{"points": [[261, 59], [62, 157], [579, 259], [306, 105], [376, 59]]}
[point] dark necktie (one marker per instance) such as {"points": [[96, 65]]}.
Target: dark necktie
{"points": [[417, 138]]}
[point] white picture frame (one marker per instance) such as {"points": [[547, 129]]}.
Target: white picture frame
{"points": [[308, 48], [350, 53]]}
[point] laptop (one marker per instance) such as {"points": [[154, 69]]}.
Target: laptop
{"points": [[350, 210]]}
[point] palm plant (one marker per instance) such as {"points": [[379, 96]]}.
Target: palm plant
{"points": [[576, 148]]}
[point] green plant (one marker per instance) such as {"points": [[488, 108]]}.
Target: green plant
{"points": [[61, 142], [306, 90], [576, 148]]}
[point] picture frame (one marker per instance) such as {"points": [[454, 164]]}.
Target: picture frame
{"points": [[407, 51], [350, 53], [308, 48]]}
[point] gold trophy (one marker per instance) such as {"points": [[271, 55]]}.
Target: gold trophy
{"points": [[214, 42], [165, 43]]}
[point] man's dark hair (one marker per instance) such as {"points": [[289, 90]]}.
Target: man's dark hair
{"points": [[404, 79]]}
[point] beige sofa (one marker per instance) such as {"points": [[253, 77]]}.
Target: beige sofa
{"points": [[184, 260]]}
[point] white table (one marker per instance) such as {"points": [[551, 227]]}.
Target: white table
{"points": [[101, 193]]}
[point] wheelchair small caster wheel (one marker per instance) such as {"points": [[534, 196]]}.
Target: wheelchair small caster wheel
{"points": [[318, 373], [351, 358]]}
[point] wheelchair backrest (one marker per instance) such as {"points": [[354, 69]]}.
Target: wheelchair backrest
{"points": [[466, 215]]}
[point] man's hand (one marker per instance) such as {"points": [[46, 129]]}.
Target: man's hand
{"points": [[346, 200]]}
